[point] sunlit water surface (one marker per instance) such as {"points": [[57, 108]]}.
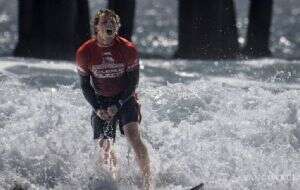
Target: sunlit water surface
{"points": [[233, 125]]}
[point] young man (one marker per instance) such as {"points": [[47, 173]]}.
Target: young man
{"points": [[108, 68]]}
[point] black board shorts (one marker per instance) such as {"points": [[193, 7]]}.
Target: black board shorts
{"points": [[129, 112]]}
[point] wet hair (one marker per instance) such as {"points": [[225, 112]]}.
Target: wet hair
{"points": [[104, 12]]}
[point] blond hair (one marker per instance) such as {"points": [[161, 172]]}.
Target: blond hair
{"points": [[104, 12]]}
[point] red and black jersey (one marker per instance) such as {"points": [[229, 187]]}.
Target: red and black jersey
{"points": [[107, 66]]}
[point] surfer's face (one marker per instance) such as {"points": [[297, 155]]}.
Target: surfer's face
{"points": [[107, 28]]}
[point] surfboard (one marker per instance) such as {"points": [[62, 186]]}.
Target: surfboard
{"points": [[198, 187]]}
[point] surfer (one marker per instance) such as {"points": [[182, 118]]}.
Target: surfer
{"points": [[108, 68]]}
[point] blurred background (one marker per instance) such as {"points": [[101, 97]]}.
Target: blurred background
{"points": [[156, 26]]}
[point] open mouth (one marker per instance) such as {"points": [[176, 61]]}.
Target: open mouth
{"points": [[109, 32]]}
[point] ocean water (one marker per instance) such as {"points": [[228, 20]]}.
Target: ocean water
{"points": [[233, 125]]}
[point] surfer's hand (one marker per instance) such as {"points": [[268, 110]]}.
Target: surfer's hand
{"points": [[112, 110], [103, 114]]}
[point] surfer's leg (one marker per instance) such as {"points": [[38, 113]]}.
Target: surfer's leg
{"points": [[133, 137], [108, 155], [113, 164], [105, 149], [105, 135]]}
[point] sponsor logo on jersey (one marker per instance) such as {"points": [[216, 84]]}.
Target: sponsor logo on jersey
{"points": [[108, 68]]}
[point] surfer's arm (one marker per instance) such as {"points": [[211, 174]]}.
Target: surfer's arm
{"points": [[84, 73], [89, 92], [132, 78]]}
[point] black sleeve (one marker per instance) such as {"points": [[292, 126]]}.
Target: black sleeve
{"points": [[132, 78], [89, 92]]}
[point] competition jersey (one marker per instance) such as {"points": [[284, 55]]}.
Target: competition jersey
{"points": [[107, 66]]}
